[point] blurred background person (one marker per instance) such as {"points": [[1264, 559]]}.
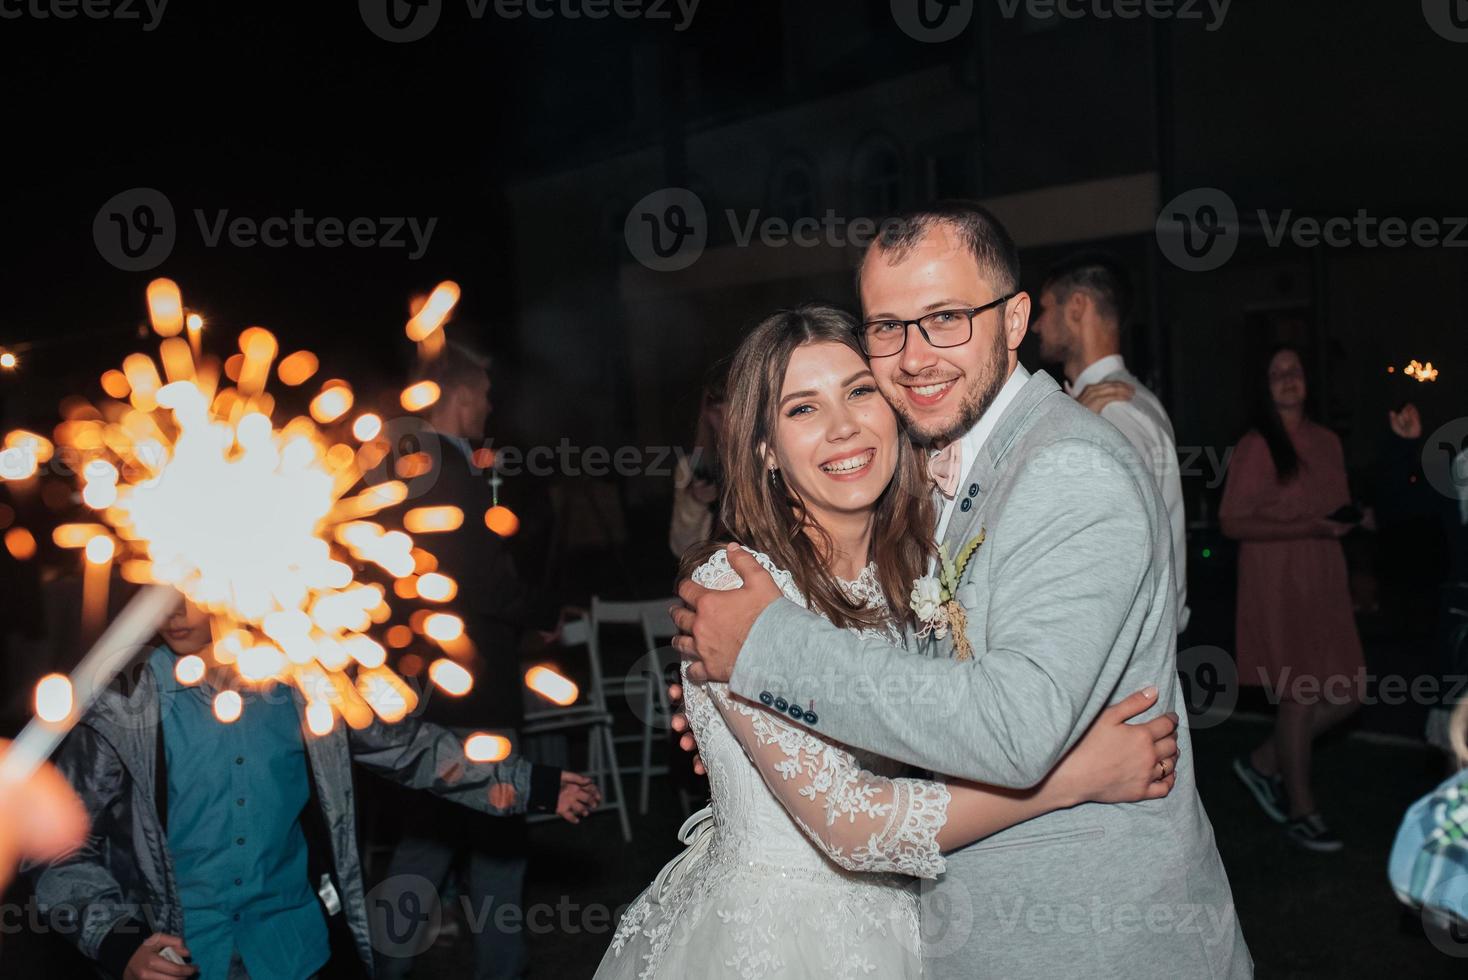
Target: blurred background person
{"points": [[1084, 303], [439, 838], [1287, 501], [698, 477]]}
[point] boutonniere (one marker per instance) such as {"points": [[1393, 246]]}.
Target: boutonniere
{"points": [[934, 599]]}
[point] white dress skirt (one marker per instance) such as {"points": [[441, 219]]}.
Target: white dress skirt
{"points": [[804, 865]]}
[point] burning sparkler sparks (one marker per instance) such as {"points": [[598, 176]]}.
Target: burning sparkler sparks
{"points": [[1422, 372], [552, 685], [484, 747], [199, 490], [197, 487]]}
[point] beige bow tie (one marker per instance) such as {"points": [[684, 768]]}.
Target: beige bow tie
{"points": [[946, 467]]}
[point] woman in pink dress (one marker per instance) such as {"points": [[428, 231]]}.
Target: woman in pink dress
{"points": [[1296, 632]]}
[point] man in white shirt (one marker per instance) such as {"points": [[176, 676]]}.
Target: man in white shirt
{"points": [[1083, 304]]}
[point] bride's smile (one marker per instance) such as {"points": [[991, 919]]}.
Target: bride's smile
{"points": [[851, 465]]}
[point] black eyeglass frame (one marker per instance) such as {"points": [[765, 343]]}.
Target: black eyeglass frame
{"points": [[970, 312]]}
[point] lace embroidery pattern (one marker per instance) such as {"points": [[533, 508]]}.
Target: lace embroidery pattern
{"points": [[862, 821]]}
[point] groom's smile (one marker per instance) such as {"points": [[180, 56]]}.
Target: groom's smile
{"points": [[928, 394]]}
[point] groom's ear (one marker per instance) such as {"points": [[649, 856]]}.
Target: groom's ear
{"points": [[1016, 320]]}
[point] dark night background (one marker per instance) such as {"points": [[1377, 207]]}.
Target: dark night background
{"points": [[529, 141]]}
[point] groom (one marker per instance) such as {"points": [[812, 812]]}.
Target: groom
{"points": [[1069, 605]]}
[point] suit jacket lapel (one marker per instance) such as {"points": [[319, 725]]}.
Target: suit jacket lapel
{"points": [[980, 477]]}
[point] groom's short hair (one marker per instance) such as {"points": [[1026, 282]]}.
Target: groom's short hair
{"points": [[985, 236]]}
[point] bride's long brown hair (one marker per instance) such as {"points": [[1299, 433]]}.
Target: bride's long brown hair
{"points": [[767, 514]]}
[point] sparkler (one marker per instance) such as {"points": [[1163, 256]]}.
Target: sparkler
{"points": [[1422, 372], [484, 747], [551, 685], [199, 492]]}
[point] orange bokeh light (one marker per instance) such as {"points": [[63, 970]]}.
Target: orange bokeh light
{"points": [[297, 369], [502, 521]]}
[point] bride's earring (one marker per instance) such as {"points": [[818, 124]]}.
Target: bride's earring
{"points": [[774, 476]]}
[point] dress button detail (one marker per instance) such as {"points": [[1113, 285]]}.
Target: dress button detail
{"points": [[781, 704], [766, 698], [967, 505]]}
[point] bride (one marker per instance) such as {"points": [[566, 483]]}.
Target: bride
{"points": [[805, 861]]}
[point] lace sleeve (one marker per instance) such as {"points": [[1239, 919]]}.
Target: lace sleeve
{"points": [[862, 821], [718, 574]]}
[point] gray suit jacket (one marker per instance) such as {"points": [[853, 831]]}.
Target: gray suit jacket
{"points": [[1070, 607]]}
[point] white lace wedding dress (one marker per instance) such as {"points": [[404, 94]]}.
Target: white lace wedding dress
{"points": [[801, 866]]}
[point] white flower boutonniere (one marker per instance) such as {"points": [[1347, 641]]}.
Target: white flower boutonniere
{"points": [[934, 602]]}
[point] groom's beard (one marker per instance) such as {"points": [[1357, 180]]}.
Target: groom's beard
{"points": [[974, 405]]}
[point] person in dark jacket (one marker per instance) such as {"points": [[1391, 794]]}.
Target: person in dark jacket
{"points": [[230, 850], [1424, 511], [492, 851]]}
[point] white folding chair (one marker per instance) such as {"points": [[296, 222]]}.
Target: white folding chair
{"points": [[657, 629], [643, 686], [589, 713]]}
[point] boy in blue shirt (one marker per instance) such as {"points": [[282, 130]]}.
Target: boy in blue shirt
{"points": [[230, 850]]}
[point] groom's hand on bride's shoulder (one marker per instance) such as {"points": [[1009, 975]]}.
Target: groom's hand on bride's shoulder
{"points": [[714, 624]]}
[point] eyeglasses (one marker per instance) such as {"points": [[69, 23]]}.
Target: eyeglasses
{"points": [[946, 328]]}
